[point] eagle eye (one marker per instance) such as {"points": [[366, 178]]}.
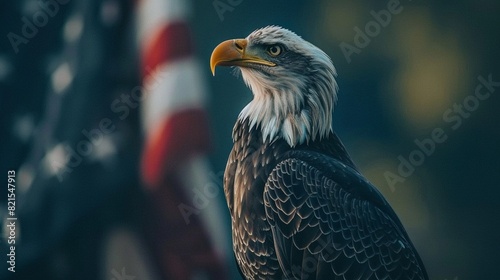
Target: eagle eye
{"points": [[274, 50]]}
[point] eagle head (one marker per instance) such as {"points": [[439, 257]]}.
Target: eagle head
{"points": [[293, 84]]}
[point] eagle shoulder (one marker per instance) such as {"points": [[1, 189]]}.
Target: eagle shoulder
{"points": [[327, 220]]}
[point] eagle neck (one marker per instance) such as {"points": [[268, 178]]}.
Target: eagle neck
{"points": [[296, 111]]}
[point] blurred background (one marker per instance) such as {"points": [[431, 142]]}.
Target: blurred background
{"points": [[119, 135]]}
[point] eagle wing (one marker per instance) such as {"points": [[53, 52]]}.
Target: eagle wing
{"points": [[329, 222]]}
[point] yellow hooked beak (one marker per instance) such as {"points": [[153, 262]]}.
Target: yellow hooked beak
{"points": [[234, 53]]}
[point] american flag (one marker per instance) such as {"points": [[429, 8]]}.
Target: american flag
{"points": [[174, 163], [103, 116]]}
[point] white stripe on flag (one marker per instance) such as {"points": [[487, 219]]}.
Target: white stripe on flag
{"points": [[172, 87], [152, 15]]}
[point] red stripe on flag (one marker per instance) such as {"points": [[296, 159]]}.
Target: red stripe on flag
{"points": [[172, 42], [178, 138]]}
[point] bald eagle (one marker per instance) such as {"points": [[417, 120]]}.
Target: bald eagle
{"points": [[300, 209]]}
